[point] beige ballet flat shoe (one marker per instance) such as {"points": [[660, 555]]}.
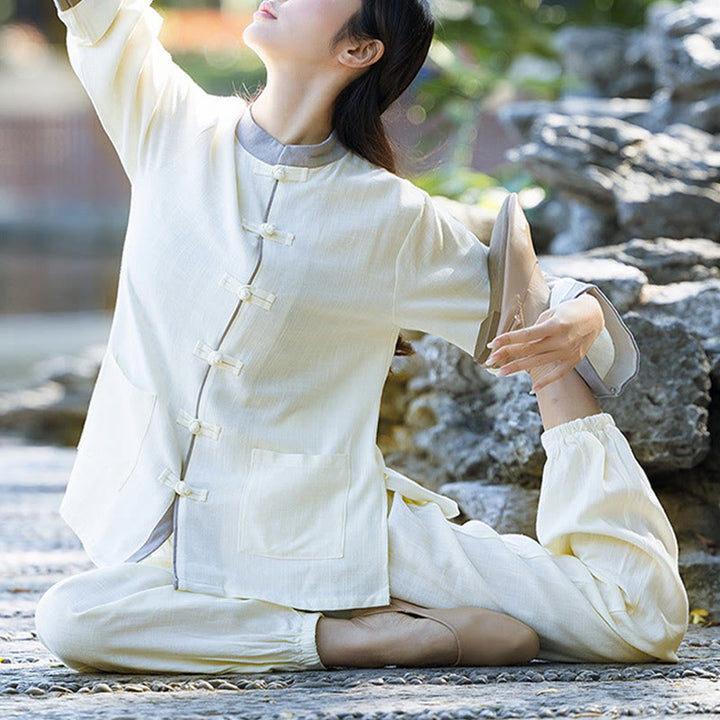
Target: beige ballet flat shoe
{"points": [[518, 291], [482, 637]]}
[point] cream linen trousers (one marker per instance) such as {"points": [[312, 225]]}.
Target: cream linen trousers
{"points": [[602, 583]]}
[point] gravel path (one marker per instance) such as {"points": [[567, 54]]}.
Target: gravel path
{"points": [[37, 549]]}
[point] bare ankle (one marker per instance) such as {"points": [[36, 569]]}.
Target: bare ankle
{"points": [[565, 399]]}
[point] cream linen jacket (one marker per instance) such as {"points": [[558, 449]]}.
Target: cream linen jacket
{"points": [[261, 291]]}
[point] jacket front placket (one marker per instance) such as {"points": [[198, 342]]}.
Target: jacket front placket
{"points": [[203, 429]]}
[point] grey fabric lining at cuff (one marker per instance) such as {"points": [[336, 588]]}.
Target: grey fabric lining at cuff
{"points": [[627, 362], [627, 352]]}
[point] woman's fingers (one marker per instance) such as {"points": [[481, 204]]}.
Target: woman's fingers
{"points": [[542, 328], [533, 361], [520, 350]]}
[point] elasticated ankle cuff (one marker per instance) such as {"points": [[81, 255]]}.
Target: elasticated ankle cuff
{"points": [[591, 423]]}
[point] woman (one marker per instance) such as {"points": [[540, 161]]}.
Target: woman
{"points": [[227, 481]]}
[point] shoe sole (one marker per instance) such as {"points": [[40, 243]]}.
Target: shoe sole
{"points": [[497, 257]]}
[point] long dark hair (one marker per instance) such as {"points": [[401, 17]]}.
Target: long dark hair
{"points": [[406, 29]]}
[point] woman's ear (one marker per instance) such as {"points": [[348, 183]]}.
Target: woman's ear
{"points": [[362, 53]]}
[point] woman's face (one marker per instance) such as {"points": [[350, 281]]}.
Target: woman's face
{"points": [[299, 38]]}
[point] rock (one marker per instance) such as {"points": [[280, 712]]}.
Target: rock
{"points": [[621, 283], [696, 304], [517, 118], [612, 59], [672, 187], [547, 219], [667, 260], [712, 349], [664, 412], [464, 424], [684, 45], [506, 508], [663, 184], [587, 228], [577, 154]]}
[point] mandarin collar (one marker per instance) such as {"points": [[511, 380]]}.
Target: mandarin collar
{"points": [[269, 149]]}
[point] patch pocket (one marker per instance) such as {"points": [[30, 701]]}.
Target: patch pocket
{"points": [[116, 424], [294, 505]]}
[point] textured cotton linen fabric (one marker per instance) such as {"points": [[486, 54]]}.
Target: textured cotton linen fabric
{"points": [[262, 288], [601, 584]]}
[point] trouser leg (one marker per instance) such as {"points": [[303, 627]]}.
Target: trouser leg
{"points": [[601, 584], [130, 618]]}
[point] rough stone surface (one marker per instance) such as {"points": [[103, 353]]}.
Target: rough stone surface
{"points": [[661, 184], [696, 304], [464, 424], [586, 228], [518, 118], [664, 412], [634, 152], [620, 282], [684, 48], [506, 508], [665, 260]]}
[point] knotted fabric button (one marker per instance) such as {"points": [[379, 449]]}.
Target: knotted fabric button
{"points": [[194, 427], [215, 357], [245, 293], [267, 228], [181, 488], [278, 173]]}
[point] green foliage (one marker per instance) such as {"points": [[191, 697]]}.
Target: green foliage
{"points": [[459, 183]]}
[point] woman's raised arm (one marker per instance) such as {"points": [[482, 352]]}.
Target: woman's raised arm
{"points": [[146, 103]]}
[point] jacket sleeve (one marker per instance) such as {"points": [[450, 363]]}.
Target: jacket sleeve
{"points": [[442, 286], [145, 102]]}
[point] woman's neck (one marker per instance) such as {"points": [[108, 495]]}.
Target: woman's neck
{"points": [[293, 111]]}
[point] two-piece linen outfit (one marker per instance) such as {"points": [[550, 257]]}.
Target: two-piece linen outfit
{"points": [[228, 483]]}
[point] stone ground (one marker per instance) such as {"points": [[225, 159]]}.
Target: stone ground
{"points": [[37, 550]]}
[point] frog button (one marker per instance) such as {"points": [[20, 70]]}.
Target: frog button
{"points": [[215, 357], [267, 229], [194, 426], [245, 293], [278, 173], [181, 488]]}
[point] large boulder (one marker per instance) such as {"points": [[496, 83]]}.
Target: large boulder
{"points": [[656, 185], [667, 260], [621, 283], [664, 412]]}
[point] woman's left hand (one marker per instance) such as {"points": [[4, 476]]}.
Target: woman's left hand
{"points": [[559, 339]]}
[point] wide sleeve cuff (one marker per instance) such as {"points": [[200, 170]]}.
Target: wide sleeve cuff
{"points": [[625, 365], [87, 20]]}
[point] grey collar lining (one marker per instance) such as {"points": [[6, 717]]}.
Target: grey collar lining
{"points": [[269, 149]]}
